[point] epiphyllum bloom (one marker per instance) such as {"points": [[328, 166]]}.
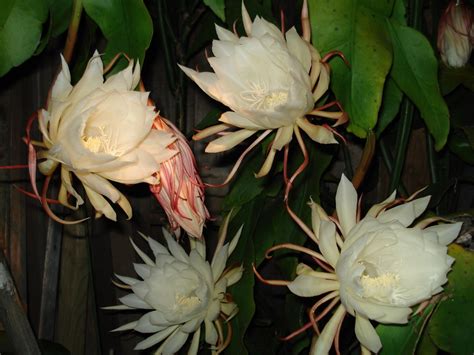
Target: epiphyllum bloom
{"points": [[101, 131], [180, 191], [270, 81], [377, 267], [455, 34], [181, 292]]}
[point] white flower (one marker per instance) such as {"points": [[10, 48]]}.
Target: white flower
{"points": [[455, 34], [269, 81], [180, 293], [101, 131], [377, 267]]}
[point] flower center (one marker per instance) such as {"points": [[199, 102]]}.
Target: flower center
{"points": [[260, 98], [187, 302], [379, 287], [101, 142]]}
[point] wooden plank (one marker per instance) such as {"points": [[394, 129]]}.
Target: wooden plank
{"points": [[49, 294], [12, 316]]}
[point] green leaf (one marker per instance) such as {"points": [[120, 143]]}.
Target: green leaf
{"points": [[60, 13], [415, 70], [357, 29], [218, 7], [266, 223], [392, 98], [451, 78], [450, 328], [246, 187], [242, 292], [461, 146], [21, 31], [403, 339], [126, 24]]}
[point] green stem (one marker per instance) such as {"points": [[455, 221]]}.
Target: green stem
{"points": [[72, 30], [388, 159], [403, 134], [432, 158], [407, 111]]}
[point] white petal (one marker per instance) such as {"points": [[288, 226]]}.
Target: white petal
{"points": [[100, 204], [446, 232], [327, 242], [146, 259], [62, 86], [176, 249], [234, 275], [346, 205], [235, 240], [367, 335], [155, 339], [226, 35], [90, 80], [299, 48], [309, 286], [128, 326], [205, 80], [228, 141], [324, 342], [142, 270], [375, 209], [194, 347], [202, 266], [132, 300], [317, 133], [406, 213], [283, 137], [218, 261], [174, 343], [267, 164], [234, 119], [323, 83], [211, 332], [156, 247], [144, 325], [127, 280], [246, 20]]}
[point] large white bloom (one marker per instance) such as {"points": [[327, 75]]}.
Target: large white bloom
{"points": [[269, 81], [378, 267], [101, 131], [181, 292]]}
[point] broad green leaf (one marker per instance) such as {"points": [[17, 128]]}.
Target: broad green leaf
{"points": [[403, 338], [425, 345], [460, 145], [242, 292], [21, 31], [450, 327], [60, 13], [451, 78], [357, 29], [126, 24], [415, 70], [246, 187], [218, 7], [266, 223], [7, 7], [392, 98]]}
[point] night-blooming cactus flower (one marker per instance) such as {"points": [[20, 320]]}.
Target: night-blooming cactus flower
{"points": [[180, 191], [181, 292], [375, 268], [270, 81], [455, 34], [101, 131]]}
